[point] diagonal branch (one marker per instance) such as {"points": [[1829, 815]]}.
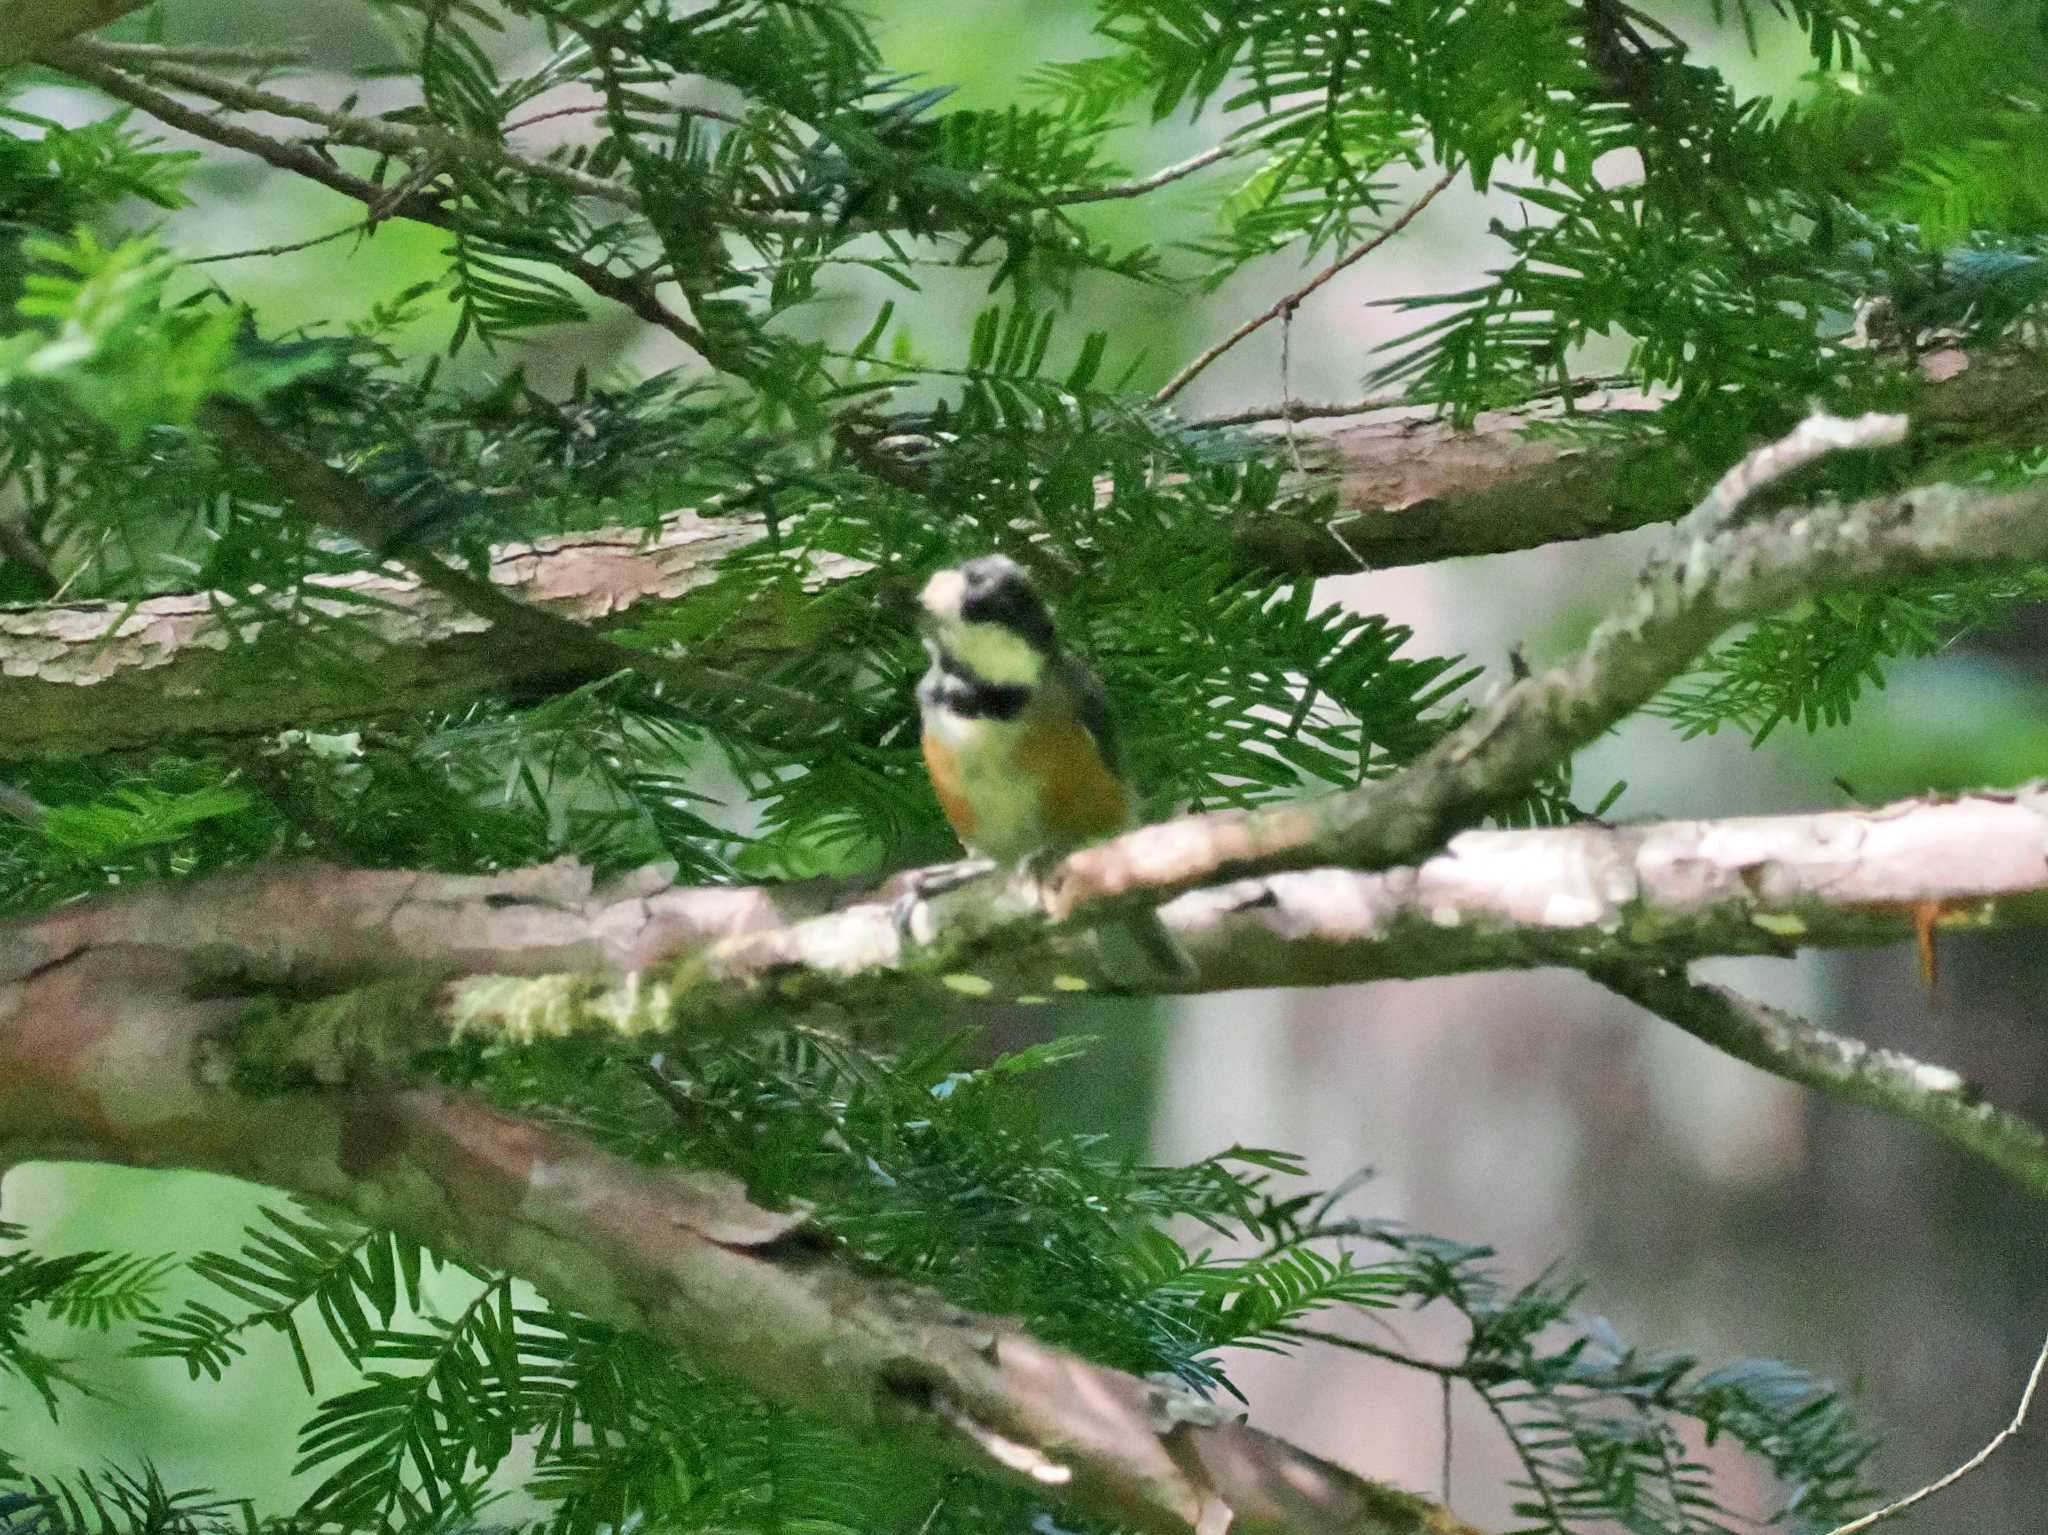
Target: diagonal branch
{"points": [[635, 295], [1949, 1478], [105, 1055], [318, 493], [1790, 1047], [1186, 376], [1685, 598]]}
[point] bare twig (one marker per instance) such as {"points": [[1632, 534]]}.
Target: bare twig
{"points": [[1151, 183], [1187, 375], [353, 226], [1307, 410], [199, 55], [636, 296], [1941, 1484]]}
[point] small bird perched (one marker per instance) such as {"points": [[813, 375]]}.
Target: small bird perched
{"points": [[1021, 742]]}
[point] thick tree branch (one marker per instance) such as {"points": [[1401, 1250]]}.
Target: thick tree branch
{"points": [[1413, 490], [1584, 896], [105, 1055], [541, 952], [1714, 577], [86, 677]]}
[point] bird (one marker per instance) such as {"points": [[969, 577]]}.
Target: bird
{"points": [[1021, 743]]}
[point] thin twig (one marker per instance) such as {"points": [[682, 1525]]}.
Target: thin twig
{"points": [[1305, 410], [199, 55], [1187, 375], [1151, 183], [304, 160], [1941, 1484], [353, 226], [363, 132], [544, 117]]}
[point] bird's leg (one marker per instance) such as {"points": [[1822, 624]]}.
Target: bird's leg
{"points": [[922, 885]]}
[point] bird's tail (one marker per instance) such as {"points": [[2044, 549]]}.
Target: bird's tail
{"points": [[1139, 954]]}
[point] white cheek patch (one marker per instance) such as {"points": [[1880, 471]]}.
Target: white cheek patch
{"points": [[995, 654]]}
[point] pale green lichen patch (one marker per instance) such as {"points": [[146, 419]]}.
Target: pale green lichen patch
{"points": [[522, 1009], [1779, 924]]}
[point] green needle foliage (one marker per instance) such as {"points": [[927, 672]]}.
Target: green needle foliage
{"points": [[874, 315]]}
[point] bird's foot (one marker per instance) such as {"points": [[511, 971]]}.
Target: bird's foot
{"points": [[925, 884]]}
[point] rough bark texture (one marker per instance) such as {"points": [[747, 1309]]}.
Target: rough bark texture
{"points": [[1714, 577], [81, 678], [105, 1055], [1790, 1047], [541, 952]]}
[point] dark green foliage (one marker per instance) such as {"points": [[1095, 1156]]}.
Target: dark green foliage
{"points": [[1601, 1425]]}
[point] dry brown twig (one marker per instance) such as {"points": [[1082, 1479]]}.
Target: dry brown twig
{"points": [[1943, 1483]]}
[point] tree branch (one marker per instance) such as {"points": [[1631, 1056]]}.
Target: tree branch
{"points": [[87, 677], [1790, 1047], [541, 952], [29, 26], [318, 493], [1685, 598], [1418, 489], [105, 1054], [1949, 1479], [387, 202], [414, 144]]}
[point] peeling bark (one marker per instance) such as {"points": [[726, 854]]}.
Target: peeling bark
{"points": [[88, 677], [105, 1055]]}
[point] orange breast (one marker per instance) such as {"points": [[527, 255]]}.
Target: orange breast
{"points": [[952, 793], [1079, 798]]}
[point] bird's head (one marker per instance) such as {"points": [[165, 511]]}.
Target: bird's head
{"points": [[987, 617]]}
